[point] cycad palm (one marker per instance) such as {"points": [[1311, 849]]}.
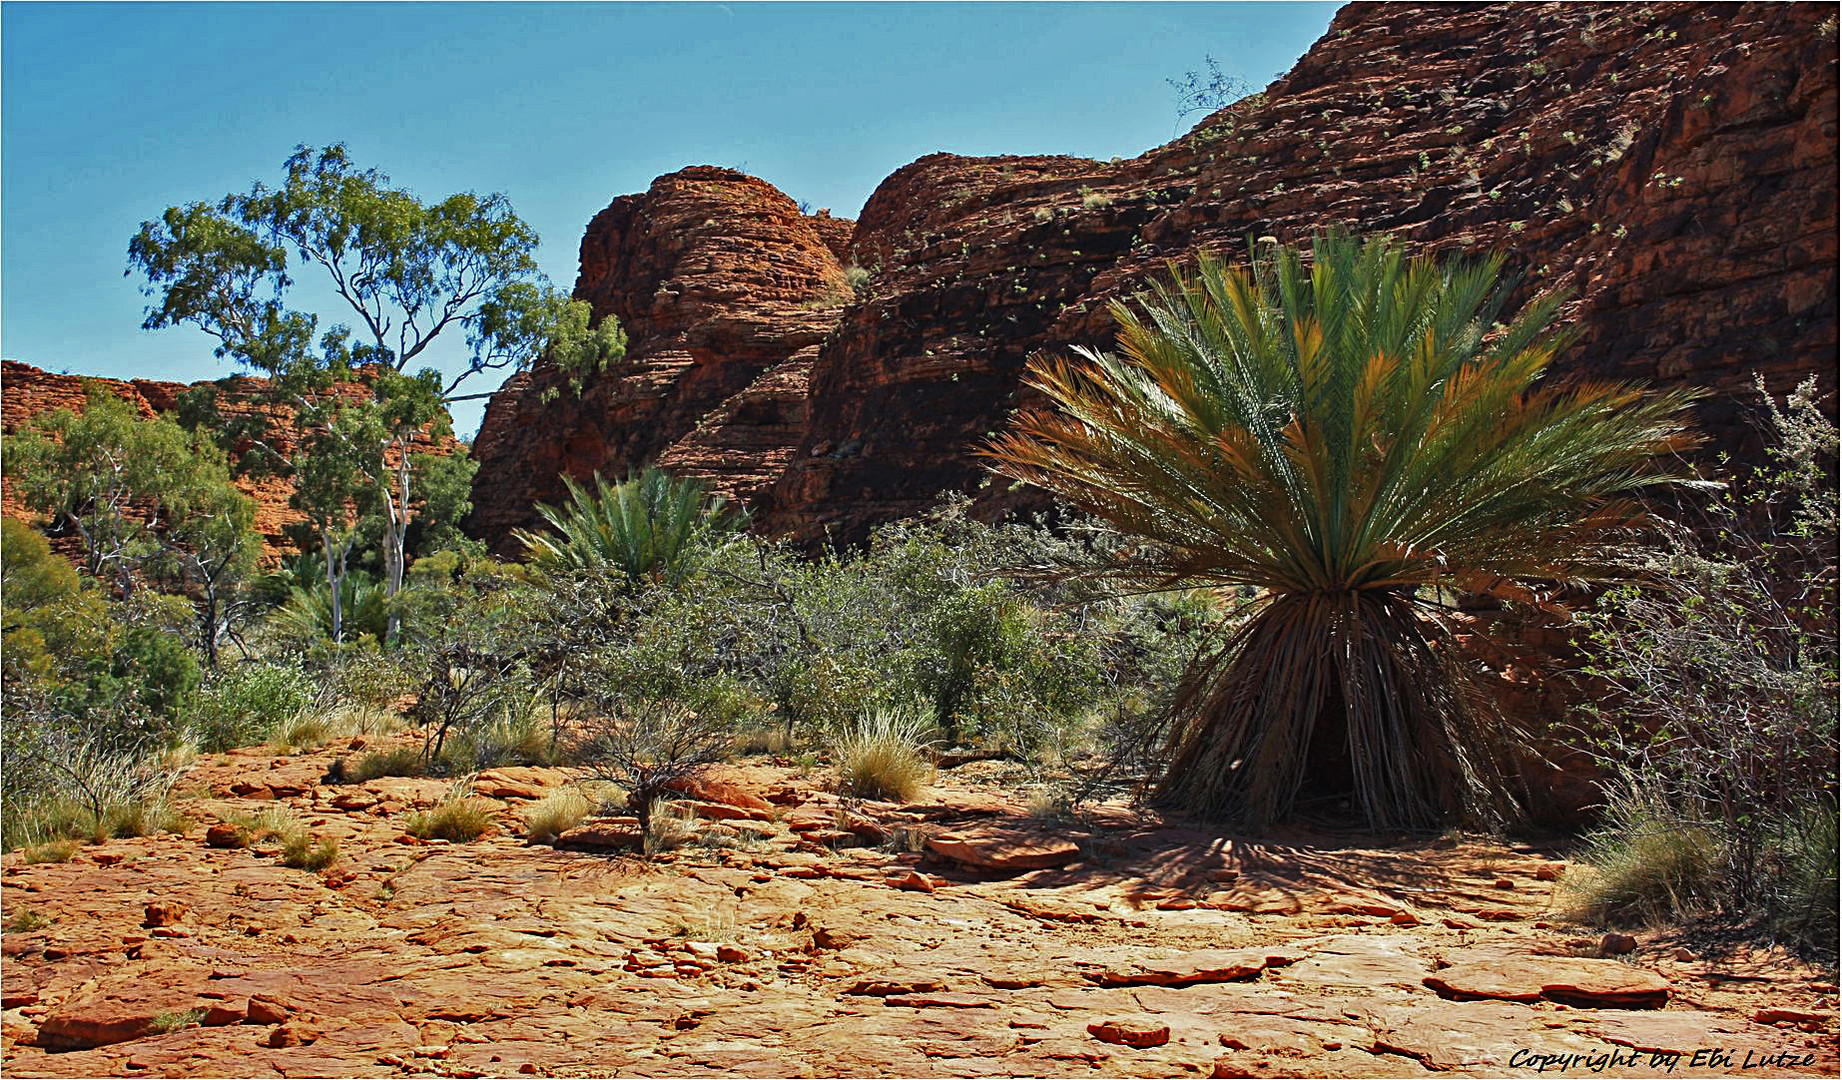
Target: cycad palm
{"points": [[648, 527], [1345, 438]]}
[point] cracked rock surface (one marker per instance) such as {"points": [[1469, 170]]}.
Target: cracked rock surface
{"points": [[1151, 948]]}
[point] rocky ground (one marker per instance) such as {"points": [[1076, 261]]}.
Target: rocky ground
{"points": [[801, 937]]}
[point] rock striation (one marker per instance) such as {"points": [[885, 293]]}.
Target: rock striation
{"points": [[726, 292], [1670, 167]]}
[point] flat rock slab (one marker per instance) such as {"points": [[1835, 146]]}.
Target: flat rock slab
{"points": [[1474, 1035], [1202, 966], [1138, 1032], [1569, 980], [940, 1001], [1005, 850]]}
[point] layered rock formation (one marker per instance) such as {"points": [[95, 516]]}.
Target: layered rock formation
{"points": [[27, 392], [1671, 167], [726, 291]]}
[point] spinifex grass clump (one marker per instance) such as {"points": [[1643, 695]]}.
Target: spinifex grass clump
{"points": [[1346, 441], [883, 756]]}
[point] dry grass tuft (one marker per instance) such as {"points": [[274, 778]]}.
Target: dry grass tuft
{"points": [[555, 814], [884, 758], [457, 819]]}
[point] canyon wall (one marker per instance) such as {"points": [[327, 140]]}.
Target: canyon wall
{"points": [[1670, 167]]}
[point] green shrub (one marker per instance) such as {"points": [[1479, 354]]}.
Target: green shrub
{"points": [[1643, 865], [52, 851], [25, 920], [243, 703], [651, 527], [1720, 673], [1304, 428], [302, 731], [165, 1023]]}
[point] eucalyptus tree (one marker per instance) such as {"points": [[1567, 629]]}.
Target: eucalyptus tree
{"points": [[405, 273], [147, 500], [1348, 442]]}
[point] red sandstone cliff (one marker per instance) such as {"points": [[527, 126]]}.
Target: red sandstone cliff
{"points": [[26, 392], [726, 292], [1671, 166]]}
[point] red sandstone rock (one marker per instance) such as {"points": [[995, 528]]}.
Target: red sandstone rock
{"points": [[1569, 980], [222, 834], [1137, 1033], [1203, 966], [1688, 209], [600, 836], [1005, 850], [163, 913]]}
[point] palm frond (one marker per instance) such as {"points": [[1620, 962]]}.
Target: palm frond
{"points": [[1341, 434]]}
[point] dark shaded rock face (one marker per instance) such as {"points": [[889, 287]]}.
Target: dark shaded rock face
{"points": [[1671, 167]]}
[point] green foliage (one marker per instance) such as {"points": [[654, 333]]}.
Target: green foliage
{"points": [[363, 610], [555, 814], [402, 761], [407, 272], [303, 851], [75, 662], [1719, 677], [652, 527], [245, 703], [1643, 865], [165, 1023], [148, 501], [51, 622], [66, 785], [1346, 441]]}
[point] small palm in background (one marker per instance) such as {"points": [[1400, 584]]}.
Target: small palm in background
{"points": [[1345, 442], [649, 527]]}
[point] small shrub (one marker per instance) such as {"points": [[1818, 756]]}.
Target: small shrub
{"points": [[1802, 893], [856, 277], [244, 703], [53, 851], [144, 818], [1093, 200], [669, 825], [401, 761], [305, 731], [764, 740], [555, 814], [25, 920], [883, 758], [456, 819], [301, 851], [1643, 865], [645, 745], [513, 735], [165, 1023]]}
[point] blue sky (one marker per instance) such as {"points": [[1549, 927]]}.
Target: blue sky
{"points": [[109, 113]]}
